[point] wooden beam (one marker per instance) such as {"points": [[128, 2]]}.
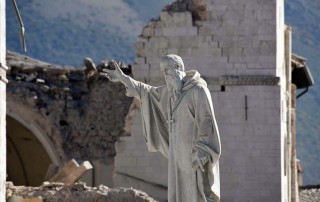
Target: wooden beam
{"points": [[65, 171]]}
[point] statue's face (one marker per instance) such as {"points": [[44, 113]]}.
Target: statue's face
{"points": [[173, 78]]}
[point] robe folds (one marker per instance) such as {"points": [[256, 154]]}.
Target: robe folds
{"points": [[178, 130]]}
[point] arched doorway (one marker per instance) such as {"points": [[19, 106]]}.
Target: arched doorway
{"points": [[27, 158]]}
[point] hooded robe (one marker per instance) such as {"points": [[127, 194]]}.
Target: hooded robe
{"points": [[178, 129]]}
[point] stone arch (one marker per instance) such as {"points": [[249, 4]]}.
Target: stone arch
{"points": [[30, 150], [40, 135]]}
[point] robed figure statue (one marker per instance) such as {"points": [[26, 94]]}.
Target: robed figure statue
{"points": [[178, 121]]}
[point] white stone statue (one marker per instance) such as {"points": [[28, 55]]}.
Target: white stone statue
{"points": [[178, 121]]}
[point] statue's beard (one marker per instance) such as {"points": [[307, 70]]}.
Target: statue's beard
{"points": [[174, 85]]}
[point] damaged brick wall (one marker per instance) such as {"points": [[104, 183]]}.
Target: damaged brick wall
{"points": [[82, 117]]}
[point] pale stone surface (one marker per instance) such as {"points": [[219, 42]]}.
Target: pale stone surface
{"points": [[179, 122]]}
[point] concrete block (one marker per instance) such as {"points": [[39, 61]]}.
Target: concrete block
{"points": [[253, 65], [142, 72], [208, 44], [234, 59], [234, 14], [148, 31], [163, 42], [212, 15], [228, 51], [162, 52], [227, 31], [197, 52], [174, 41], [228, 43], [149, 51], [165, 16], [143, 39], [268, 49], [143, 67], [180, 31], [244, 41], [221, 2], [250, 13], [206, 31], [158, 31], [160, 24], [153, 60], [185, 52], [189, 41], [139, 45], [240, 65], [266, 29], [173, 51], [156, 73], [268, 13], [140, 60], [182, 19]]}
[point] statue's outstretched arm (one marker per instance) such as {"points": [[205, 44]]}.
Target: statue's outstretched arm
{"points": [[116, 75]]}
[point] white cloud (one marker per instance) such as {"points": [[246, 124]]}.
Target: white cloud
{"points": [[109, 13]]}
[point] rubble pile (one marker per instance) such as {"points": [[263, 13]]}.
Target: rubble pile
{"points": [[79, 192]]}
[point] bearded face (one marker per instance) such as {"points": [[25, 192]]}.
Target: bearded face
{"points": [[173, 70], [174, 85]]}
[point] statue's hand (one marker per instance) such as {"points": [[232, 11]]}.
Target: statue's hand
{"points": [[199, 160], [113, 75]]}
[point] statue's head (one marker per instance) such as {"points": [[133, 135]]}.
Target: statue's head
{"points": [[172, 61], [173, 69]]}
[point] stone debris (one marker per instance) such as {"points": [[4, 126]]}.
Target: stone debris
{"points": [[310, 193], [196, 7], [71, 172], [91, 69], [21, 199], [79, 192]]}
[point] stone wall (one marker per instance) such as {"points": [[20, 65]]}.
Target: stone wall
{"points": [[81, 117], [238, 47], [232, 38]]}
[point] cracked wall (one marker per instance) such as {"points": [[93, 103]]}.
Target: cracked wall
{"points": [[81, 117]]}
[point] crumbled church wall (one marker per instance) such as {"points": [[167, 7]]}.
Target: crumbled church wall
{"points": [[231, 38], [55, 192], [82, 117]]}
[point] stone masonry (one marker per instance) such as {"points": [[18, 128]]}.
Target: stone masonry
{"points": [[81, 116], [238, 47]]}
